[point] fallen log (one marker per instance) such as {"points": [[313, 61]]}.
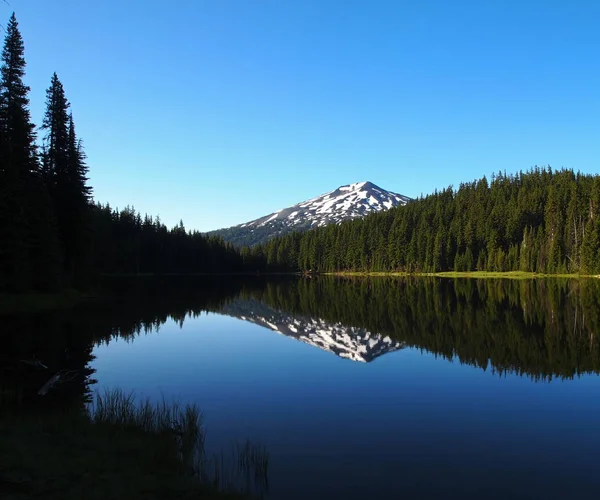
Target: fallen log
{"points": [[50, 384]]}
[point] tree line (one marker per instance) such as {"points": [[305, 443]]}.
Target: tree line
{"points": [[52, 234], [543, 221], [131, 243]]}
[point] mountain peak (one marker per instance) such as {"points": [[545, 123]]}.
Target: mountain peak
{"points": [[357, 185], [346, 202]]}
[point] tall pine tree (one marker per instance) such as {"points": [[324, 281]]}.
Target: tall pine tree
{"points": [[65, 170], [28, 250]]}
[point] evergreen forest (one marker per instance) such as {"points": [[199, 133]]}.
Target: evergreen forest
{"points": [[540, 221], [53, 234]]}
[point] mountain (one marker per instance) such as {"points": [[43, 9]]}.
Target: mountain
{"points": [[346, 202], [356, 344]]}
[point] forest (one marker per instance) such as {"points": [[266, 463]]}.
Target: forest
{"points": [[53, 234], [540, 221]]}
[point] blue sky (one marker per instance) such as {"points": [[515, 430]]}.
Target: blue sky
{"points": [[221, 111]]}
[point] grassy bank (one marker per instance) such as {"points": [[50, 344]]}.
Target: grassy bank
{"points": [[119, 449], [471, 274]]}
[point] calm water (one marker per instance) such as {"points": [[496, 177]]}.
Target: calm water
{"points": [[381, 388]]}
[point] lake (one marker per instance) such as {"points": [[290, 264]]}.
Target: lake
{"points": [[358, 388]]}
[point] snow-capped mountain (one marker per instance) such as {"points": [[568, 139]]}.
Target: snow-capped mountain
{"points": [[346, 202], [356, 344]]}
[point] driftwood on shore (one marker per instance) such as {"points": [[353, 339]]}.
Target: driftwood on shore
{"points": [[52, 381], [61, 376]]}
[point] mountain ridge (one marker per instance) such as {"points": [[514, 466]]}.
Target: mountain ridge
{"points": [[346, 202]]}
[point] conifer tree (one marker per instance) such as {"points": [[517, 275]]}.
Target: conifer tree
{"points": [[65, 169], [16, 137], [589, 249], [56, 140], [27, 240]]}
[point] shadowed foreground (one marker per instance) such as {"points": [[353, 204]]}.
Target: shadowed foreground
{"points": [[120, 449]]}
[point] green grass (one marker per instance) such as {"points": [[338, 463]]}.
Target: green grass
{"points": [[470, 274], [120, 448], [182, 425], [367, 273], [505, 275]]}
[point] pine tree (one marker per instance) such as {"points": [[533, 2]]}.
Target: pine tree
{"points": [[589, 249], [56, 141], [65, 169], [80, 200], [27, 240], [16, 136]]}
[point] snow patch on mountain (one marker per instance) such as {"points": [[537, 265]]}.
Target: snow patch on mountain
{"points": [[346, 202]]}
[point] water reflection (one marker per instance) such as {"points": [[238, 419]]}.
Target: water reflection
{"points": [[57, 346], [346, 341], [323, 417], [538, 328]]}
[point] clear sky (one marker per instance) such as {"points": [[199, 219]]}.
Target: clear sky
{"points": [[221, 111]]}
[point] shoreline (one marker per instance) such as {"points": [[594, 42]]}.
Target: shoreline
{"points": [[466, 274], [38, 302]]}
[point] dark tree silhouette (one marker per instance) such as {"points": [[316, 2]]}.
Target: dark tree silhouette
{"points": [[64, 171], [52, 233], [28, 254]]}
